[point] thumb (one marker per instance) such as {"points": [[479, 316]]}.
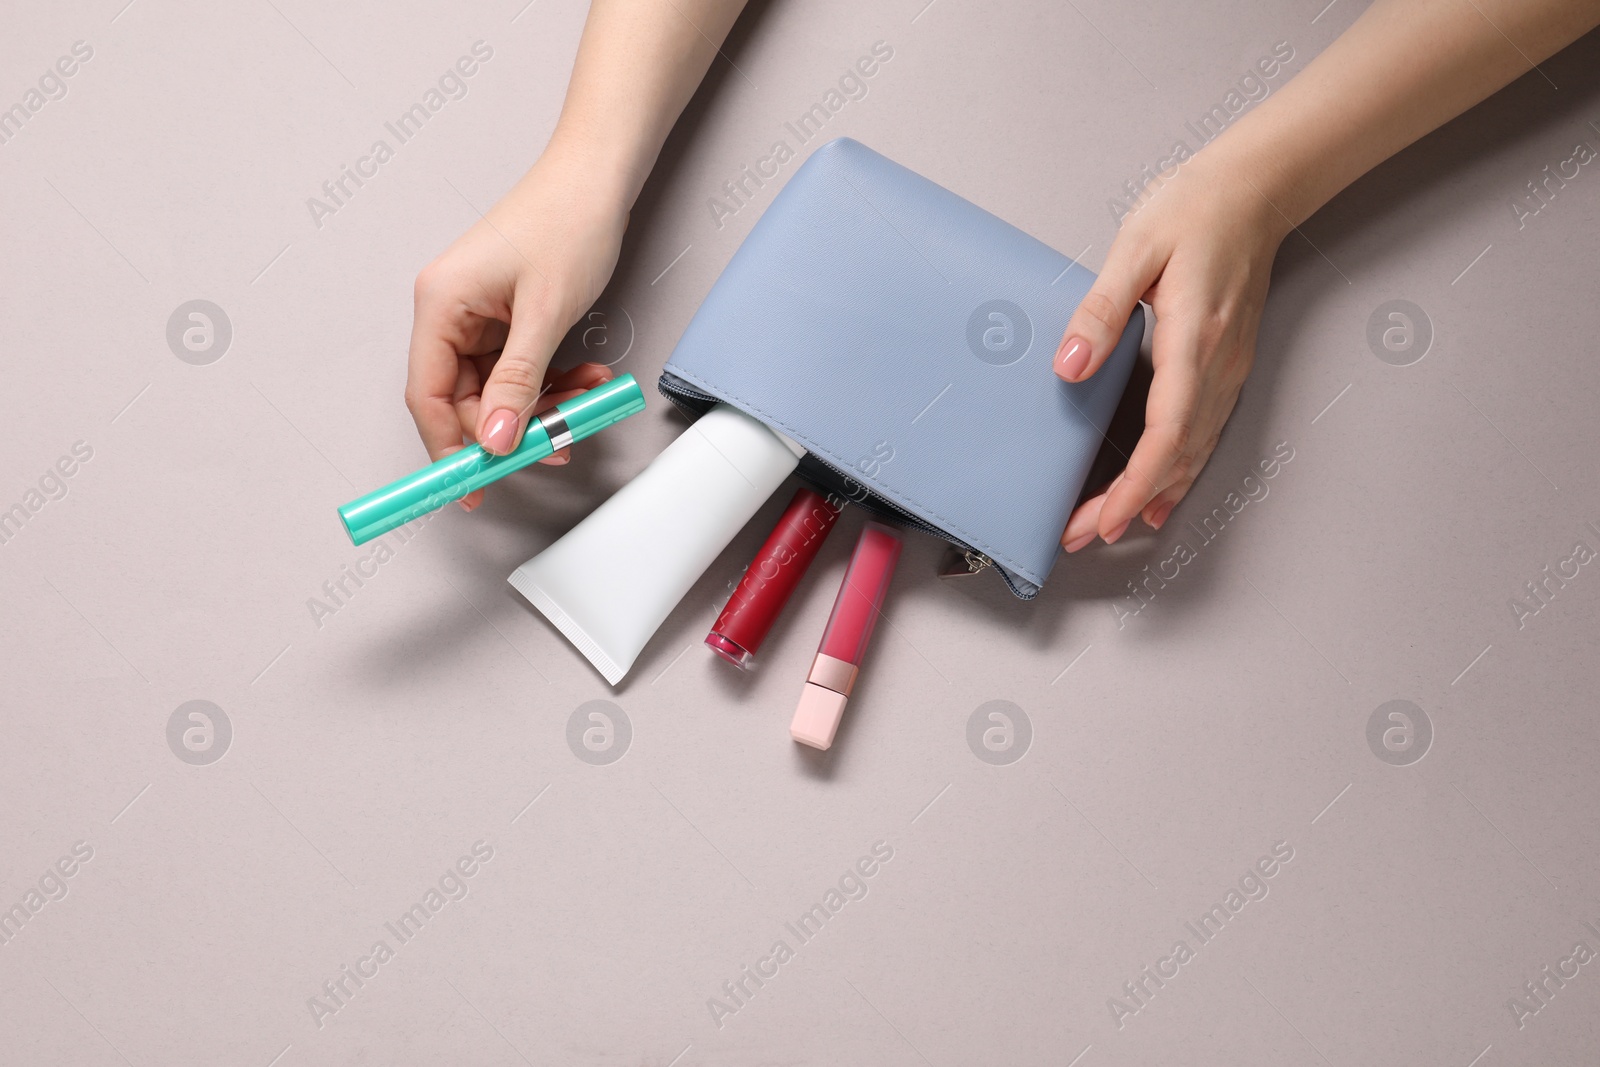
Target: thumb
{"points": [[1098, 323], [512, 391]]}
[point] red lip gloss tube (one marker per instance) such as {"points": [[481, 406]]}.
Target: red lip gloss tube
{"points": [[844, 642], [772, 577]]}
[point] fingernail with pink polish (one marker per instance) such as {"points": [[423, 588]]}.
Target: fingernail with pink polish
{"points": [[1161, 514], [467, 505], [1073, 358], [1111, 538], [1078, 542], [501, 432]]}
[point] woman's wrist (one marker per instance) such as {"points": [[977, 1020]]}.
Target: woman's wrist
{"points": [[598, 171], [1251, 190], [1290, 171]]}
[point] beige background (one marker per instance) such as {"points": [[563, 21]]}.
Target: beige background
{"points": [[1168, 753]]}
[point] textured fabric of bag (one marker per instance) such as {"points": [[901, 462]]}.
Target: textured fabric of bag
{"points": [[905, 337]]}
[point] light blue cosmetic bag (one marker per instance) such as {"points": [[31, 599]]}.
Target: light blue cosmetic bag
{"points": [[905, 337]]}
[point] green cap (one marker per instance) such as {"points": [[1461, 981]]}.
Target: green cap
{"points": [[459, 473]]}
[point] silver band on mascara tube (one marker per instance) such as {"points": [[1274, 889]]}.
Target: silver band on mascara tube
{"points": [[555, 424]]}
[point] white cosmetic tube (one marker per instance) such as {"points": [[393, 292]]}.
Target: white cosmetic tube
{"points": [[613, 579]]}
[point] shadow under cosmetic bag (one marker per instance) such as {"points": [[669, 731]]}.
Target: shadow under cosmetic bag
{"points": [[906, 337]]}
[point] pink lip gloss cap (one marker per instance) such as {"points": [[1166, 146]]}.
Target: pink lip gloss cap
{"points": [[816, 719]]}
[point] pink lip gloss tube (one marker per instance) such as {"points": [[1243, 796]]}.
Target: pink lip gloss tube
{"points": [[844, 641]]}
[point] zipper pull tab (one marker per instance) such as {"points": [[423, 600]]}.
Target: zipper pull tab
{"points": [[963, 563]]}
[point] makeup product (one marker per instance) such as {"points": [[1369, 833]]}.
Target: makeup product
{"points": [[771, 578], [459, 473], [616, 576], [844, 642]]}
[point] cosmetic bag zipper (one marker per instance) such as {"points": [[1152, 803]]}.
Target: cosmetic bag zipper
{"points": [[963, 564], [695, 402]]}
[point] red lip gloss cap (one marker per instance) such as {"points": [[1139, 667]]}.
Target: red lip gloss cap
{"points": [[742, 658]]}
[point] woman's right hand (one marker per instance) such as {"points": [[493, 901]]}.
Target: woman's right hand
{"points": [[491, 309]]}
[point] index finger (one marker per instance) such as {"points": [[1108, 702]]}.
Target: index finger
{"points": [[1170, 415], [431, 370]]}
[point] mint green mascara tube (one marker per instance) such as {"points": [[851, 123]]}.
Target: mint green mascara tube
{"points": [[459, 473]]}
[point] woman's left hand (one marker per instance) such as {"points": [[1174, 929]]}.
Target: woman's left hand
{"points": [[1200, 252]]}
